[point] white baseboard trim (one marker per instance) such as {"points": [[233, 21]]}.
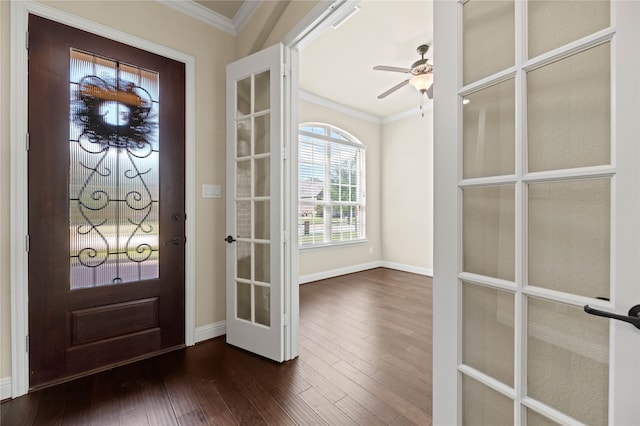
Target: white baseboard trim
{"points": [[337, 272], [408, 268], [210, 331], [5, 388], [303, 279]]}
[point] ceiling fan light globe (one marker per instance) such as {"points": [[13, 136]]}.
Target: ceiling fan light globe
{"points": [[422, 81]]}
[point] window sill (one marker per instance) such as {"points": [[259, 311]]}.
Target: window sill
{"points": [[336, 244]]}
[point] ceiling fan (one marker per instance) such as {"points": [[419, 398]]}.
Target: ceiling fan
{"points": [[421, 74]]}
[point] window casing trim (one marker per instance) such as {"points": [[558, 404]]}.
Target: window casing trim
{"points": [[351, 213]]}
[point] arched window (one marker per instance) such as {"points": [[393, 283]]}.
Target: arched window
{"points": [[331, 186]]}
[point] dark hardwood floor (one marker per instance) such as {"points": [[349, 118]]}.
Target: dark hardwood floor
{"points": [[365, 359]]}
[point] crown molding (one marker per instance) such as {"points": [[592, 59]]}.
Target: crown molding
{"points": [[203, 14], [327, 103], [428, 106]]}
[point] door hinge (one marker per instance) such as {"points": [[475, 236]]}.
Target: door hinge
{"points": [[26, 242], [285, 70], [26, 41], [285, 153], [285, 237], [27, 343], [285, 320], [26, 137]]}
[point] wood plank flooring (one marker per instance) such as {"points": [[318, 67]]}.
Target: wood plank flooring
{"points": [[365, 359]]}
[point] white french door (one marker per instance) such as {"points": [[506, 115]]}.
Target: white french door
{"points": [[537, 212], [255, 222]]}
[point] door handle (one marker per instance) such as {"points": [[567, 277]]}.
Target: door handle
{"points": [[175, 241], [230, 239], [633, 317]]}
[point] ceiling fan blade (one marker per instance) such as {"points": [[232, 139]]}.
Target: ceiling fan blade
{"points": [[430, 92], [393, 89], [394, 69]]}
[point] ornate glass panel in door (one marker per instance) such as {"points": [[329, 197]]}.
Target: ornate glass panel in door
{"points": [[113, 175]]}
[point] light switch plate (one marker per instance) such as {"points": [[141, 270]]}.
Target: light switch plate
{"points": [[211, 191]]}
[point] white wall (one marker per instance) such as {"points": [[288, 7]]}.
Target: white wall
{"points": [[407, 191]]}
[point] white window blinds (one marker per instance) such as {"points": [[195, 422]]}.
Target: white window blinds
{"points": [[331, 193]]}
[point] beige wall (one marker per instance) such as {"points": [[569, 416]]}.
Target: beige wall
{"points": [[271, 22], [213, 50], [407, 191], [321, 259]]}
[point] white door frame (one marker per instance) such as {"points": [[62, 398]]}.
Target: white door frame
{"points": [[318, 20], [20, 11]]}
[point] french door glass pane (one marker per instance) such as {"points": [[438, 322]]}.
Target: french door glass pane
{"points": [[262, 83], [262, 220], [535, 419], [263, 303], [482, 405], [243, 137], [262, 177], [243, 102], [253, 203], [553, 23], [263, 263], [488, 38], [568, 360], [243, 253], [489, 119], [113, 173], [243, 300], [243, 219], [487, 330], [488, 231], [569, 243], [262, 134], [569, 112], [243, 179]]}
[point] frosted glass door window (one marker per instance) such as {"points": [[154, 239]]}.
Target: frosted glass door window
{"points": [[489, 132], [569, 242], [482, 405], [488, 231], [536, 200], [569, 111], [488, 34], [487, 329], [568, 360], [114, 152], [549, 27]]}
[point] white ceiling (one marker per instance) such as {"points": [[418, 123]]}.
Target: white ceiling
{"points": [[339, 64]]}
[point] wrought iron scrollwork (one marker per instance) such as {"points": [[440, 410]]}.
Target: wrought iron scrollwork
{"points": [[116, 203]]}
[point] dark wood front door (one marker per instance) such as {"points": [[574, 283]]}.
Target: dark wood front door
{"points": [[106, 202]]}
